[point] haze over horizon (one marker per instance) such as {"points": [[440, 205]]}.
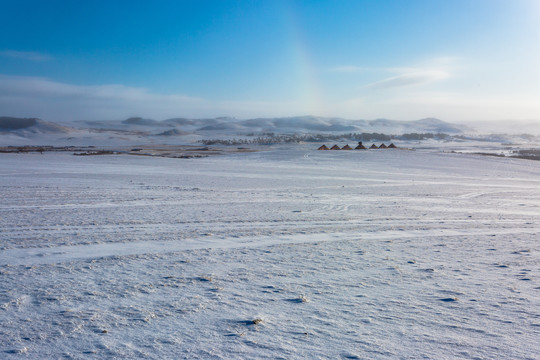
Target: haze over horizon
{"points": [[460, 61]]}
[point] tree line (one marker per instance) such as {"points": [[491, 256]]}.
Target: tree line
{"points": [[271, 139]]}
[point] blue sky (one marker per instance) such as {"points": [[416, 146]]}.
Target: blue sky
{"points": [[456, 60]]}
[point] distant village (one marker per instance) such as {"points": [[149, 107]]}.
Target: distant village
{"points": [[360, 146]]}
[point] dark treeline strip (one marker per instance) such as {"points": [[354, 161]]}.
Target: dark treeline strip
{"points": [[270, 138]]}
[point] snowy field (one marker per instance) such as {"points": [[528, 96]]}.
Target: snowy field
{"points": [[286, 253]]}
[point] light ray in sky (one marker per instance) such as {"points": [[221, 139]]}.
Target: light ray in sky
{"points": [[311, 96]]}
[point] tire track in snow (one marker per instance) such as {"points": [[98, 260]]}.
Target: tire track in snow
{"points": [[62, 254]]}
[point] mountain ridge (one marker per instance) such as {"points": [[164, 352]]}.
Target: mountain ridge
{"points": [[139, 129], [30, 125], [294, 124]]}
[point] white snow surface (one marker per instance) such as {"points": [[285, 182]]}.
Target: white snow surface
{"points": [[286, 253]]}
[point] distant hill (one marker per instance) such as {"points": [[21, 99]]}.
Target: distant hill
{"points": [[172, 132], [231, 126], [432, 125], [33, 130], [12, 123], [315, 124], [30, 125], [24, 131], [140, 121]]}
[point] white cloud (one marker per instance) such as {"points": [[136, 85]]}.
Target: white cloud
{"points": [[39, 97], [25, 55], [430, 70], [415, 77], [446, 105], [53, 100]]}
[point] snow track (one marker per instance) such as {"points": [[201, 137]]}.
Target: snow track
{"points": [[59, 254]]}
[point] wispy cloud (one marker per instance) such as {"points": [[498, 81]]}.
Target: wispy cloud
{"points": [[53, 100], [45, 88], [410, 78], [26, 55], [347, 69], [56, 100], [428, 71]]}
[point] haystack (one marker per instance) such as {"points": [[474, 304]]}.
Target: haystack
{"points": [[346, 147], [383, 146], [324, 147], [360, 146], [392, 146], [335, 147], [373, 146]]}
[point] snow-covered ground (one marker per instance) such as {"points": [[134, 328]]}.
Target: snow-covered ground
{"points": [[285, 253]]}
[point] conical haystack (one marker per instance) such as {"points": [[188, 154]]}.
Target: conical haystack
{"points": [[360, 146], [324, 147], [383, 146], [373, 146], [392, 146], [346, 147], [335, 147]]}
